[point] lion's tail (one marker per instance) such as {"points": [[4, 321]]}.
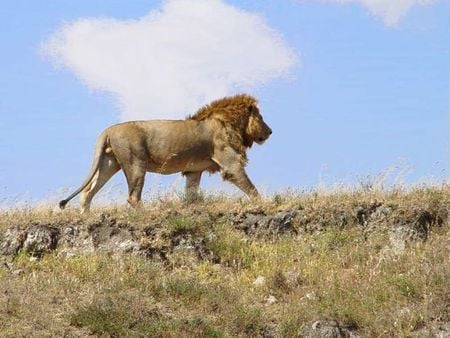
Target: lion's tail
{"points": [[100, 148]]}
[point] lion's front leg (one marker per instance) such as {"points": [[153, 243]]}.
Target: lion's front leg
{"points": [[240, 179], [232, 168]]}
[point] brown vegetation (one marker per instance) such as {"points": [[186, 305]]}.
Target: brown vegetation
{"points": [[365, 263]]}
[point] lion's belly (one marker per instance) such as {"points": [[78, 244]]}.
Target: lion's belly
{"points": [[198, 166], [175, 166]]}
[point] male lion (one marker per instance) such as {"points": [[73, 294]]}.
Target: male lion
{"points": [[214, 139]]}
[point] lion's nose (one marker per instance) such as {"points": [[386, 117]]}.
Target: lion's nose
{"points": [[270, 131]]}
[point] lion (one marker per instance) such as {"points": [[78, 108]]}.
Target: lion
{"points": [[214, 139]]}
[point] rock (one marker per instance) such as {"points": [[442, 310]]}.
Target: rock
{"points": [[9, 267], [17, 272], [398, 238], [282, 221], [414, 231], [12, 241], [330, 217], [404, 233], [327, 329], [250, 220], [310, 296], [196, 244], [263, 225], [321, 329], [66, 254], [441, 330], [69, 235], [40, 239], [203, 252], [271, 300], [108, 235], [378, 218], [36, 240], [292, 278], [129, 246], [363, 213], [259, 281], [268, 333], [401, 235]]}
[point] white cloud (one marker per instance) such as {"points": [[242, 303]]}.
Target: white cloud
{"points": [[169, 62], [390, 11]]}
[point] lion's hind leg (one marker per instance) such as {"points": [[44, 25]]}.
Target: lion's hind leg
{"points": [[107, 168], [135, 175], [192, 192]]}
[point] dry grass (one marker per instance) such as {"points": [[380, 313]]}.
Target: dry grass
{"points": [[331, 265]]}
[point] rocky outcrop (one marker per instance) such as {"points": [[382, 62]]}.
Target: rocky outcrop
{"points": [[110, 234], [328, 329], [35, 239], [441, 330], [261, 225]]}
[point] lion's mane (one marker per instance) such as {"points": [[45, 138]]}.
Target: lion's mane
{"points": [[233, 113]]}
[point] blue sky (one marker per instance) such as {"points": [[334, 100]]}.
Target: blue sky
{"points": [[365, 94]]}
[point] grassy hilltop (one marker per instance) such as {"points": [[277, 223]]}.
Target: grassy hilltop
{"points": [[359, 263]]}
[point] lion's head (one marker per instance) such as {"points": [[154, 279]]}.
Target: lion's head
{"points": [[240, 117], [257, 130]]}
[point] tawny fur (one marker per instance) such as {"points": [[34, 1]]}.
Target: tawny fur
{"points": [[214, 139]]}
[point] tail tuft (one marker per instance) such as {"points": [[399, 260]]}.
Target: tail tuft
{"points": [[63, 203]]}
